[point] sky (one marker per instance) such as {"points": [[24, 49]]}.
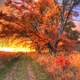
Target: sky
{"points": [[76, 19], [2, 1]]}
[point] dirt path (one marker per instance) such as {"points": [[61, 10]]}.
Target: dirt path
{"points": [[11, 73], [22, 70], [31, 75]]}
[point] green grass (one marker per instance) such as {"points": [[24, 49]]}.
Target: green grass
{"points": [[21, 72], [40, 72], [6, 69]]}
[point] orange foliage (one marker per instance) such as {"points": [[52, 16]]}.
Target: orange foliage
{"points": [[62, 61], [75, 59], [8, 54]]}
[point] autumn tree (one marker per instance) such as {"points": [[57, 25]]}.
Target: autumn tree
{"points": [[43, 21]]}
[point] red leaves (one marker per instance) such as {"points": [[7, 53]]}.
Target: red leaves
{"points": [[62, 61]]}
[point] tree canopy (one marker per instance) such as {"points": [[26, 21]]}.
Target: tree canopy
{"points": [[46, 23]]}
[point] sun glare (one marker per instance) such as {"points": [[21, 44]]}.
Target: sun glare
{"points": [[36, 0], [6, 49], [17, 50], [16, 45]]}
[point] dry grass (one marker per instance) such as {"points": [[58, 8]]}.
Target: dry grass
{"points": [[60, 67]]}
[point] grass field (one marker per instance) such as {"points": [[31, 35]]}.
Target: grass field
{"points": [[23, 69]]}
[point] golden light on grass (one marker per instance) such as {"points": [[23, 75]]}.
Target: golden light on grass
{"points": [[16, 45]]}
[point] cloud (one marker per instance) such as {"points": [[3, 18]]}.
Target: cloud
{"points": [[2, 1], [77, 23]]}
